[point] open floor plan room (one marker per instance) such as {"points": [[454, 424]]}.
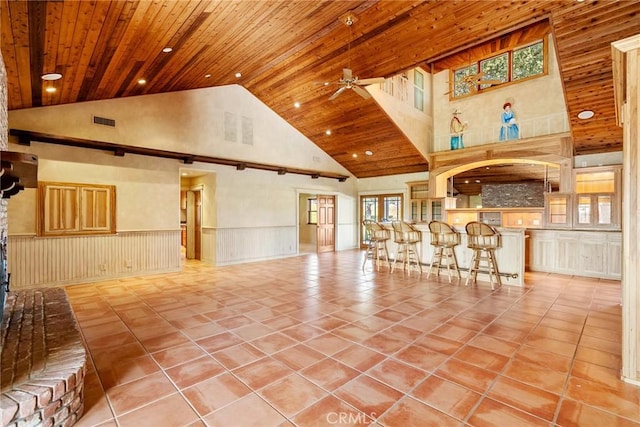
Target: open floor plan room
{"points": [[315, 340]]}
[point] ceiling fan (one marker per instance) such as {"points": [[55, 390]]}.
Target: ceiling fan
{"points": [[348, 80]]}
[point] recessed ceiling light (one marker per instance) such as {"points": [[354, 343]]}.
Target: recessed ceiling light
{"points": [[167, 50], [296, 104], [207, 76], [466, 181], [50, 89], [51, 76], [586, 114], [354, 155], [328, 131], [369, 153], [477, 181], [142, 81], [238, 75]]}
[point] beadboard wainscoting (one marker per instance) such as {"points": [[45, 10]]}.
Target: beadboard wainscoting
{"points": [[44, 261], [237, 245]]}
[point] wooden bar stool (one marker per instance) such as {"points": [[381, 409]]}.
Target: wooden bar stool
{"points": [[377, 237], [444, 238], [406, 238], [483, 239]]}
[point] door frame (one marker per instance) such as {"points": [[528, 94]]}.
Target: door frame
{"points": [[303, 192]]}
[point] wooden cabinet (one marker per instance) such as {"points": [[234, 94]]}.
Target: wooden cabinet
{"points": [[581, 253]]}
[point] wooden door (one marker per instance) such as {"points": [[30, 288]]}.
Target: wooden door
{"points": [[194, 224], [326, 223]]}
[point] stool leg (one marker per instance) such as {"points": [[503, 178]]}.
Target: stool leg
{"points": [[492, 260], [455, 262]]}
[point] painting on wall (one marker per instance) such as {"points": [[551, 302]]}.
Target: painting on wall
{"points": [[509, 129]]}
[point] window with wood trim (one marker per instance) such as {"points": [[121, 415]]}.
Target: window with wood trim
{"points": [[76, 209], [514, 65]]}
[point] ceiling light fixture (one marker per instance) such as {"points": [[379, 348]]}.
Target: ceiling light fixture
{"points": [[207, 76], [585, 114], [296, 104], [369, 153], [328, 131], [167, 50], [50, 89], [354, 155], [51, 76], [142, 81], [238, 75]]}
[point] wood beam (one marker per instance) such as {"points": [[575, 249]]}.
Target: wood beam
{"points": [[25, 137]]}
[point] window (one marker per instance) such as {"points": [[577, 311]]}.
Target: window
{"points": [[382, 208], [514, 65], [418, 90], [73, 209], [597, 200], [312, 211]]}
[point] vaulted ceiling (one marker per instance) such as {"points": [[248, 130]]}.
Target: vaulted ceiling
{"points": [[283, 48]]}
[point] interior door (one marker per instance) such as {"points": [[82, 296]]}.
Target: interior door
{"points": [[326, 223], [194, 224]]}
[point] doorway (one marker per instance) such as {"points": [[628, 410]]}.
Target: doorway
{"points": [[316, 223]]}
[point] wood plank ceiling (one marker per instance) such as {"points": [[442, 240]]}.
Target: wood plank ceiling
{"points": [[283, 48]]}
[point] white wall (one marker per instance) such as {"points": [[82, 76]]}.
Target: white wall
{"points": [[247, 215]]}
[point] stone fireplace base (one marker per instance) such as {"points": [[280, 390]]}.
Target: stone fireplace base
{"points": [[43, 360]]}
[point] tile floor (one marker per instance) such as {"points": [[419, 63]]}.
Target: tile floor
{"points": [[314, 340]]}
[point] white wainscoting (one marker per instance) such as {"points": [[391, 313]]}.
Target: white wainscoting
{"points": [[47, 261], [237, 245]]}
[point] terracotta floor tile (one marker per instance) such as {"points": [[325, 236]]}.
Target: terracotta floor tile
{"points": [[421, 357], [331, 411], [359, 357], [178, 354], [328, 343], [292, 394], [398, 375], [410, 412], [368, 395], [494, 345], [440, 344], [169, 411], [622, 401], [338, 346], [495, 414], [470, 376], [262, 372], [273, 343], [132, 395], [215, 393], [529, 373], [329, 374], [482, 358], [298, 357], [527, 398], [238, 355], [599, 357], [448, 397], [219, 341], [194, 371], [576, 414], [250, 410]]}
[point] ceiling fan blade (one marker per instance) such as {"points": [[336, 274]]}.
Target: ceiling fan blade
{"points": [[360, 91], [371, 81], [336, 93], [347, 74]]}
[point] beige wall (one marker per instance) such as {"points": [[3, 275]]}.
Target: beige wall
{"points": [[482, 112]]}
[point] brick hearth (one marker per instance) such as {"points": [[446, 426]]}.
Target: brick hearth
{"points": [[43, 360]]}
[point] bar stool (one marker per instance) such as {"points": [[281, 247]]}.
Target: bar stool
{"points": [[484, 240], [377, 237], [444, 238], [406, 238]]}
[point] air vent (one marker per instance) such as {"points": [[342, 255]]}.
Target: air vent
{"points": [[104, 121]]}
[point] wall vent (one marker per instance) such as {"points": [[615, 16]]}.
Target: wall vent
{"points": [[104, 121]]}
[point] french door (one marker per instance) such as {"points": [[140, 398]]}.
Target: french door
{"points": [[381, 208]]}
